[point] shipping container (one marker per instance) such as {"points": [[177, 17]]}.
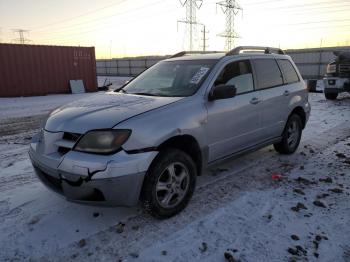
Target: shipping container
{"points": [[29, 70]]}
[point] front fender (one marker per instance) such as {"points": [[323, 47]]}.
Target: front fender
{"points": [[151, 129]]}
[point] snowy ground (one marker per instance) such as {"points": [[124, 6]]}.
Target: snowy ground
{"points": [[21, 107], [237, 208]]}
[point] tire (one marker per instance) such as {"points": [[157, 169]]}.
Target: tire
{"points": [[331, 96], [169, 183], [289, 144]]}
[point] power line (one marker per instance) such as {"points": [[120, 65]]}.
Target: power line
{"points": [[263, 2], [22, 40], [190, 20], [334, 28], [274, 1], [318, 22], [305, 6], [102, 25], [230, 8], [78, 16], [91, 21], [330, 10], [99, 27]]}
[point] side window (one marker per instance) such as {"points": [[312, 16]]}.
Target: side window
{"points": [[288, 71], [239, 74], [268, 73]]}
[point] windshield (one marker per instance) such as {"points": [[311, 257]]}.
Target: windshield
{"points": [[171, 78]]}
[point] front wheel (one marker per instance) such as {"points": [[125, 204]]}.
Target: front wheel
{"points": [[169, 183], [291, 136], [331, 96]]}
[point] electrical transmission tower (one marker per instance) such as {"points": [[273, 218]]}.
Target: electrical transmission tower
{"points": [[22, 40], [230, 8], [190, 20]]}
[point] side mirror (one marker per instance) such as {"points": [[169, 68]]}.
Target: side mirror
{"points": [[222, 92]]}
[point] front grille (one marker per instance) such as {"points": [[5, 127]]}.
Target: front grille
{"points": [[67, 142], [63, 150], [71, 136], [344, 70]]}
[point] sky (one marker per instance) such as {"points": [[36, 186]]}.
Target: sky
{"points": [[119, 28]]}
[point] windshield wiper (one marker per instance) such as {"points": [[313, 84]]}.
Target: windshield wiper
{"points": [[120, 89], [144, 94]]}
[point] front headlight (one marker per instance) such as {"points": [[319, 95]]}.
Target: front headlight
{"points": [[102, 141]]}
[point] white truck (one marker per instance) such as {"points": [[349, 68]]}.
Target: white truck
{"points": [[337, 78]]}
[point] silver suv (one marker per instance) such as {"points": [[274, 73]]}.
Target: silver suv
{"points": [[150, 139]]}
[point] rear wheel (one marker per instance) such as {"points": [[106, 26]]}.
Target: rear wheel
{"points": [[291, 136], [169, 183], [331, 96]]}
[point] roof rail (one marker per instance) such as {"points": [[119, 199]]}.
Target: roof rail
{"points": [[265, 49], [183, 53]]}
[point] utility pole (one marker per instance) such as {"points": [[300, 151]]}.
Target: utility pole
{"points": [[22, 40], [190, 20], [204, 38], [230, 8], [110, 49]]}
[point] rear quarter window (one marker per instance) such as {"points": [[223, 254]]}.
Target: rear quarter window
{"points": [[288, 70], [268, 73]]}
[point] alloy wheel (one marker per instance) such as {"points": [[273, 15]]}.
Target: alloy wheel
{"points": [[172, 185], [293, 134]]}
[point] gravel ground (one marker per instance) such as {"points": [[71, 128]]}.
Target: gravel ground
{"points": [[238, 212]]}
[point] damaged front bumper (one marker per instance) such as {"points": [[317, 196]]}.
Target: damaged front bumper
{"points": [[114, 180]]}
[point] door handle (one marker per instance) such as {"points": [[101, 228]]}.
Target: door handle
{"points": [[286, 93], [254, 100]]}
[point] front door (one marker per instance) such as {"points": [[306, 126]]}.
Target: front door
{"points": [[234, 123]]}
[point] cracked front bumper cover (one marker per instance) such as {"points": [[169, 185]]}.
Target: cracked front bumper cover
{"points": [[116, 191], [113, 181]]}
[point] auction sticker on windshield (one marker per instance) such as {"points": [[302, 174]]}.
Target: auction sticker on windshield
{"points": [[199, 75]]}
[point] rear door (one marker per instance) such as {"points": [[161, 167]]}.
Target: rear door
{"points": [[234, 124], [273, 92], [293, 86]]}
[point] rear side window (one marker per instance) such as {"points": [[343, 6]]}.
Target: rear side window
{"points": [[288, 70], [268, 73]]}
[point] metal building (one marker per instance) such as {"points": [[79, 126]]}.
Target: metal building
{"points": [[126, 66], [311, 62], [28, 70]]}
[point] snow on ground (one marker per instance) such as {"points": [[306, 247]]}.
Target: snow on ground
{"points": [[260, 225], [237, 208], [35, 105], [41, 105]]}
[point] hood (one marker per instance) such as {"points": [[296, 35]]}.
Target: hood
{"points": [[100, 111]]}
